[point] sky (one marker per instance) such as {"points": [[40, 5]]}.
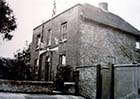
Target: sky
{"points": [[31, 13]]}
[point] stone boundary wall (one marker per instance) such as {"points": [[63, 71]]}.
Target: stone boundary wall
{"points": [[126, 81], [87, 81], [25, 86]]}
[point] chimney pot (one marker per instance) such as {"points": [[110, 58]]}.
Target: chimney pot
{"points": [[103, 6]]}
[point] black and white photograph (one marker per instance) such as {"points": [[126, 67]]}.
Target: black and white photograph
{"points": [[69, 49]]}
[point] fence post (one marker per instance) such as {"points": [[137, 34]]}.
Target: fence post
{"points": [[76, 80], [98, 82], [111, 66]]}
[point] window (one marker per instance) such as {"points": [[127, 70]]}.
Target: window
{"points": [[49, 36], [64, 30], [36, 66], [36, 62], [38, 41], [63, 59], [137, 43]]}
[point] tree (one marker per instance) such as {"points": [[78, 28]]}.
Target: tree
{"points": [[7, 20], [6, 67], [18, 68], [22, 67], [14, 69]]}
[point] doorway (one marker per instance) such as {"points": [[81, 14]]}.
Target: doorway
{"points": [[47, 65]]}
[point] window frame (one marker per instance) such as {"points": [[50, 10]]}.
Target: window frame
{"points": [[36, 62], [38, 40], [64, 30], [49, 37], [137, 43], [61, 57]]}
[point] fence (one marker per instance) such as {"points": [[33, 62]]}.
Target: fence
{"points": [[109, 82]]}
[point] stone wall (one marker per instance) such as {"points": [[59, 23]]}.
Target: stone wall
{"points": [[25, 86], [87, 82], [139, 80], [126, 82], [98, 42]]}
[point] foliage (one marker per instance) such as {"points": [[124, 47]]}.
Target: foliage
{"points": [[7, 20], [125, 48], [22, 67], [14, 69], [5, 65], [21, 71], [66, 72], [18, 68], [138, 55]]}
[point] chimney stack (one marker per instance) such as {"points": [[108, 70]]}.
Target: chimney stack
{"points": [[103, 6]]}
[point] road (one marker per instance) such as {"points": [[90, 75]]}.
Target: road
{"points": [[35, 96]]}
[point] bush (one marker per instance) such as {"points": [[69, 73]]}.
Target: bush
{"points": [[66, 72]]}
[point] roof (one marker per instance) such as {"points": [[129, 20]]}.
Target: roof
{"points": [[104, 17], [58, 15]]}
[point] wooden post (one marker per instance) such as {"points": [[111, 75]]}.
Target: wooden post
{"points": [[98, 82], [111, 81], [76, 80], [40, 66]]}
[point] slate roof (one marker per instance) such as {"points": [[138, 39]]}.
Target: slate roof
{"points": [[104, 17]]}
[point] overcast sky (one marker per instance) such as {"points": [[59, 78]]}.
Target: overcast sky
{"points": [[31, 13]]}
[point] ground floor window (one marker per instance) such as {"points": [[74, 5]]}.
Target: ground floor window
{"points": [[36, 63], [137, 45], [63, 59]]}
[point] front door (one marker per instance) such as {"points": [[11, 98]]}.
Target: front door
{"points": [[47, 65]]}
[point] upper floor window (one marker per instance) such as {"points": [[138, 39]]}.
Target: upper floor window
{"points": [[38, 40], [64, 30], [49, 36]]}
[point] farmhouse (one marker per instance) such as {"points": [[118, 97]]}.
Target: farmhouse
{"points": [[82, 35]]}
